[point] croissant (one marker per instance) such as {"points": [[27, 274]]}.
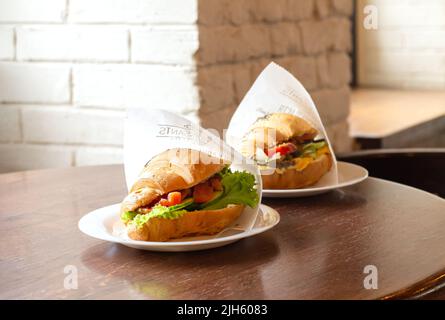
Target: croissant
{"points": [[174, 169], [289, 140], [203, 222], [179, 193]]}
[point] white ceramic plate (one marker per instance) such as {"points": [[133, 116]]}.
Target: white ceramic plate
{"points": [[348, 174], [104, 224]]}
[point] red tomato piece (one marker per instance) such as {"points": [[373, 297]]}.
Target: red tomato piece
{"points": [[286, 148], [202, 192], [282, 150], [164, 202], [174, 198], [216, 184]]}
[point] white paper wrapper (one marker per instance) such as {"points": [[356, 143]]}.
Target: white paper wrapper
{"points": [[148, 133], [276, 90]]}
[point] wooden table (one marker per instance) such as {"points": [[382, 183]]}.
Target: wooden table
{"points": [[319, 249]]}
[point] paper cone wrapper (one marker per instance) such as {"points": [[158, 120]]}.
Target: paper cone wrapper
{"points": [[278, 91], [148, 133]]}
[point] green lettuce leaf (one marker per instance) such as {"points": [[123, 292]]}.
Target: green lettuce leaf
{"points": [[310, 149], [184, 204], [158, 211], [239, 188], [128, 216]]}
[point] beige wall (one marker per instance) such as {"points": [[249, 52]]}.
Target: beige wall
{"points": [[312, 39], [407, 50]]}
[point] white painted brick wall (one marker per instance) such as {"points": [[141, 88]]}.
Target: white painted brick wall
{"points": [[6, 43], [18, 157], [32, 10], [34, 82], [68, 69], [10, 124], [67, 42], [408, 48], [133, 11], [68, 125], [119, 86], [165, 44], [89, 156]]}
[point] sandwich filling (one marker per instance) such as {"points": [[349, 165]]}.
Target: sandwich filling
{"points": [[217, 192], [297, 153]]}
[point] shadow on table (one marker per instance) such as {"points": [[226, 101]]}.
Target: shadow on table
{"points": [[185, 275]]}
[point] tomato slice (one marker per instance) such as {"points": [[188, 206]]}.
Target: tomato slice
{"points": [[174, 198], [164, 202], [285, 148], [202, 192]]}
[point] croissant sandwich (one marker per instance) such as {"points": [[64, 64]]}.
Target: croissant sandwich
{"points": [[176, 197], [289, 142]]}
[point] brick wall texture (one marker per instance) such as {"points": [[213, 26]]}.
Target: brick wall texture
{"points": [[407, 50], [68, 69], [311, 39]]}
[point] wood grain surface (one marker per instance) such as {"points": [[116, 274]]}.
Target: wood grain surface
{"points": [[318, 251]]}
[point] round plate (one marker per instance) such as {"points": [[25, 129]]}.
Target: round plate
{"points": [[104, 224], [348, 174]]}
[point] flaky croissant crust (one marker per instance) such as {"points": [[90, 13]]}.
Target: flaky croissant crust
{"points": [[172, 170]]}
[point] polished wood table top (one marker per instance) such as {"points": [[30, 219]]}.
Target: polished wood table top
{"points": [[319, 249]]}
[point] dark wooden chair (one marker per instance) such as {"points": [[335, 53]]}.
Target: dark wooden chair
{"points": [[419, 168]]}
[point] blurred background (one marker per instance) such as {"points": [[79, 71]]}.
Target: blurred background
{"points": [[68, 69]]}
